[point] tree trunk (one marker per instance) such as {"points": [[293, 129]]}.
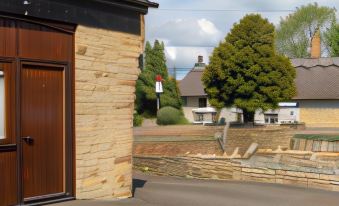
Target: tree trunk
{"points": [[217, 116], [248, 116]]}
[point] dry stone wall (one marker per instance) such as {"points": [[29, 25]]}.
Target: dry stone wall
{"points": [[106, 69], [266, 137], [297, 170], [177, 148]]}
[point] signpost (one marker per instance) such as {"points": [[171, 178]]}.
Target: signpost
{"points": [[158, 89]]}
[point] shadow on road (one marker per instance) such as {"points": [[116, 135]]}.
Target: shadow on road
{"points": [[137, 183]]}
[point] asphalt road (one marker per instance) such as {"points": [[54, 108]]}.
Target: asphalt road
{"points": [[168, 191]]}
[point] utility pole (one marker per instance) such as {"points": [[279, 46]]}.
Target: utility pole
{"points": [[175, 72]]}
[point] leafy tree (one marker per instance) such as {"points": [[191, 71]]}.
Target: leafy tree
{"points": [[294, 32], [332, 40], [246, 72], [155, 64]]}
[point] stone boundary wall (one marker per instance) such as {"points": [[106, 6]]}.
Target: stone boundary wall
{"points": [[266, 137], [281, 169], [178, 148]]}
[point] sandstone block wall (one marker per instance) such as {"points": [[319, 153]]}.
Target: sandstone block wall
{"points": [[266, 137], [106, 68], [319, 113], [177, 148], [296, 170]]}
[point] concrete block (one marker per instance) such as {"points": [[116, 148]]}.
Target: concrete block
{"points": [[296, 144], [251, 150], [336, 147], [316, 146], [309, 145], [331, 146], [324, 146], [302, 144]]}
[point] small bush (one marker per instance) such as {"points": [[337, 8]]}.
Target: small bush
{"points": [[183, 121], [169, 115], [137, 120]]}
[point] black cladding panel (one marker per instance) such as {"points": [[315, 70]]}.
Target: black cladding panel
{"points": [[83, 12]]}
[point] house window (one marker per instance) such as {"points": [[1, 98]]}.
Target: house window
{"points": [[292, 113], [271, 118], [202, 102], [184, 101], [200, 117], [2, 105], [239, 117]]}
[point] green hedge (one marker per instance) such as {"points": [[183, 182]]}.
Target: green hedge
{"points": [[137, 120], [169, 116]]}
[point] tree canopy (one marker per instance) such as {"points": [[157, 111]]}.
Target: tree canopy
{"points": [[295, 32], [246, 72], [155, 64], [332, 40]]}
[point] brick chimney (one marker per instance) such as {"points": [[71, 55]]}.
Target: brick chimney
{"points": [[200, 64], [316, 45], [200, 59]]}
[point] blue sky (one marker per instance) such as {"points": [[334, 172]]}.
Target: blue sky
{"points": [[188, 33]]}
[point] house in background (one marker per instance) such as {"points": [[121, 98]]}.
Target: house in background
{"points": [[67, 87], [316, 103], [317, 99], [195, 103], [318, 91]]}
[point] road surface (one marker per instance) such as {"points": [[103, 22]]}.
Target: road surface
{"points": [[169, 191]]}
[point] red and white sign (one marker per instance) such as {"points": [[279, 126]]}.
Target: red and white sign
{"points": [[158, 84]]}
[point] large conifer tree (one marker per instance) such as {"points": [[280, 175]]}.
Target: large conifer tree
{"points": [[155, 64], [246, 72]]}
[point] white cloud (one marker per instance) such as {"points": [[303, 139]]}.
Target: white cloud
{"points": [[208, 27], [187, 32], [185, 57], [171, 53]]}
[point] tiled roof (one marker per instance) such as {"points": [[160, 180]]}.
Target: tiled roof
{"points": [[316, 79], [192, 85]]}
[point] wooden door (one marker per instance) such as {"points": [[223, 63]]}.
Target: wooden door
{"points": [[36, 111], [42, 131]]}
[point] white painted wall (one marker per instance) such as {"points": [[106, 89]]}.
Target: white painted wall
{"points": [[194, 101], [231, 114], [284, 115]]}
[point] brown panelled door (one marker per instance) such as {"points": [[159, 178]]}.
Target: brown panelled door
{"points": [[42, 130], [36, 111]]}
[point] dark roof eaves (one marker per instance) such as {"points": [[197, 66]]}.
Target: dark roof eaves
{"points": [[314, 62], [194, 95], [299, 98]]}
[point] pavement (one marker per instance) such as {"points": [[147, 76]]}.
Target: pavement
{"points": [[170, 191]]}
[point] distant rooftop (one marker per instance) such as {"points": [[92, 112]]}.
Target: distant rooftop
{"points": [[316, 79], [191, 85]]}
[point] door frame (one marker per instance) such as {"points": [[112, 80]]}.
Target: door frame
{"points": [[69, 116], [69, 193]]}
